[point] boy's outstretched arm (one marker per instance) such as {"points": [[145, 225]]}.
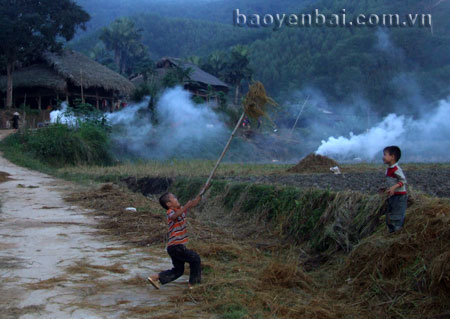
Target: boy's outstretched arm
{"points": [[192, 203]]}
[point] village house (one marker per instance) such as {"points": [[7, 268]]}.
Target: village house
{"points": [[66, 77], [199, 82]]}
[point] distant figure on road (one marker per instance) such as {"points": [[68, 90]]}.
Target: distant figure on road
{"points": [[15, 120]]}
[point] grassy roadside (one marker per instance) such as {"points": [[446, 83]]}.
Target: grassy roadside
{"points": [[57, 146], [19, 157]]}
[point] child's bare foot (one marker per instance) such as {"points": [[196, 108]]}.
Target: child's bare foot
{"points": [[154, 280]]}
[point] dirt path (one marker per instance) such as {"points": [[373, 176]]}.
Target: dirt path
{"points": [[54, 264]]}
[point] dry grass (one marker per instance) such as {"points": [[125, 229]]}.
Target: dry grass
{"points": [[408, 271], [4, 177], [261, 284], [135, 281], [285, 274], [404, 275], [84, 267], [175, 168], [385, 276], [115, 268], [46, 284], [15, 312], [440, 272], [165, 311], [153, 312], [110, 201]]}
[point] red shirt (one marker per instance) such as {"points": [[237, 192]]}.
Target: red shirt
{"points": [[395, 175], [177, 229]]}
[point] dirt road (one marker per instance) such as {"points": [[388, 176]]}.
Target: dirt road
{"points": [[54, 263]]}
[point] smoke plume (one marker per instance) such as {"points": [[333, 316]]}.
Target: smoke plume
{"points": [[62, 116], [423, 139], [184, 129]]}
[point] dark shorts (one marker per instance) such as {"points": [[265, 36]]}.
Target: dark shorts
{"points": [[395, 216]]}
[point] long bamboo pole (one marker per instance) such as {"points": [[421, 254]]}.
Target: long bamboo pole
{"points": [[223, 155]]}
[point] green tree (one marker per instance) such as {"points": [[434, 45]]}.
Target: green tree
{"points": [[237, 69], [124, 39], [102, 56], [176, 76], [194, 59], [146, 67], [215, 63], [30, 27]]}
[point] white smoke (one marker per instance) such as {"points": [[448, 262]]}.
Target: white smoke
{"points": [[421, 130], [184, 129], [424, 139], [62, 116]]}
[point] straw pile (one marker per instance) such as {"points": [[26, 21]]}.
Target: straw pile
{"points": [[410, 267], [313, 163], [256, 100]]}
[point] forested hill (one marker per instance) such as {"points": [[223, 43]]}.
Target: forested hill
{"points": [[383, 65], [104, 12], [380, 64], [181, 37]]}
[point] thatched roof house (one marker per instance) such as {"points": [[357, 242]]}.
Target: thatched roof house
{"points": [[198, 82], [197, 75], [68, 76]]}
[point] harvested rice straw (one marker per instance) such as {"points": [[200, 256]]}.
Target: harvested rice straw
{"points": [[254, 102]]}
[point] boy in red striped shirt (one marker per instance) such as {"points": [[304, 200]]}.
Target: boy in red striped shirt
{"points": [[396, 181], [176, 219]]}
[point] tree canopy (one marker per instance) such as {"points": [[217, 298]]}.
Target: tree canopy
{"points": [[31, 27]]}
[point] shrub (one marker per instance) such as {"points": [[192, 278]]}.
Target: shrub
{"points": [[59, 145]]}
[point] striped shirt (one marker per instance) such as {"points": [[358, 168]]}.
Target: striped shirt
{"points": [[395, 175], [177, 229]]}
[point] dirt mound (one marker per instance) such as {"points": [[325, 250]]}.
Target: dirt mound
{"points": [[314, 163]]}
